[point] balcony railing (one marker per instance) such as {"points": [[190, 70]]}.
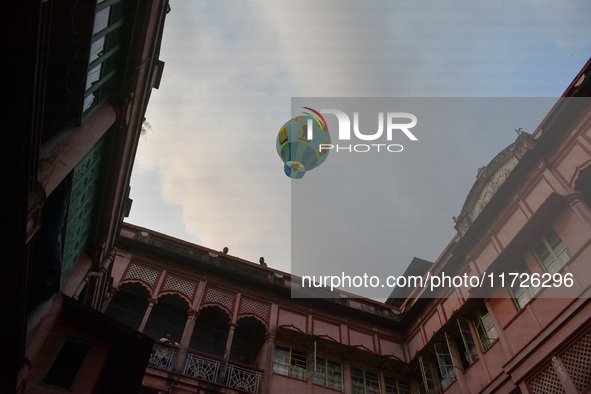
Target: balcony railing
{"points": [[162, 357], [202, 367], [243, 379]]}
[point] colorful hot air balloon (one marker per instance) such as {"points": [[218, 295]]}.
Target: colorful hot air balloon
{"points": [[299, 153]]}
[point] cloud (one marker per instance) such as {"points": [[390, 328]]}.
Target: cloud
{"points": [[232, 68]]}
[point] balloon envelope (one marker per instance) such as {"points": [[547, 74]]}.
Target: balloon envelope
{"points": [[299, 153]]}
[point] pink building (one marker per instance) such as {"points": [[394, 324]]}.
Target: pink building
{"points": [[221, 324], [92, 305]]}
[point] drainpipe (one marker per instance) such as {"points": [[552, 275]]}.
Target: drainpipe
{"points": [[92, 277]]}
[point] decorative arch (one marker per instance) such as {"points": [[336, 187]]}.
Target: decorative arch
{"points": [[248, 340], [174, 284], [211, 330], [140, 273], [580, 173], [137, 281], [168, 316], [221, 298], [129, 303], [582, 183], [258, 309], [175, 293], [252, 316], [215, 306]]}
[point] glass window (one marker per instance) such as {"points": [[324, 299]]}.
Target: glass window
{"points": [[365, 382], [290, 362], [487, 333], [522, 291], [551, 252], [328, 373], [104, 47], [395, 386], [466, 344], [426, 381], [447, 374]]}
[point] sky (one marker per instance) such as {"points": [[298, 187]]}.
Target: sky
{"points": [[207, 170]]}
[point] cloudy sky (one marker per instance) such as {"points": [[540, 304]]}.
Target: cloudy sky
{"points": [[208, 171]]}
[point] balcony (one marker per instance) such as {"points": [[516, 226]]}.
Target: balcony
{"points": [[162, 357], [207, 369], [243, 379]]}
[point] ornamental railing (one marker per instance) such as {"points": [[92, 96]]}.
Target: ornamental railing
{"points": [[202, 367], [243, 379], [162, 357]]}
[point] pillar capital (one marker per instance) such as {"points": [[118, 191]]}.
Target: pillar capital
{"points": [[193, 314], [574, 198], [270, 336]]}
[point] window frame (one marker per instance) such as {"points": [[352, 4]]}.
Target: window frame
{"points": [[104, 58], [479, 319], [60, 356], [471, 354], [426, 383], [363, 373], [298, 362], [322, 362], [522, 295], [550, 243], [393, 386], [445, 362]]}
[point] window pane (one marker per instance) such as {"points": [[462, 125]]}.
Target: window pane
{"points": [[101, 20], [485, 328], [551, 252], [521, 290], [334, 375], [357, 381], [365, 382], [320, 375], [466, 343], [298, 365], [395, 386], [281, 360], [372, 382]]}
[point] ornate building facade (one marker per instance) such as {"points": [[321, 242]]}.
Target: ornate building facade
{"points": [[94, 306], [221, 324]]}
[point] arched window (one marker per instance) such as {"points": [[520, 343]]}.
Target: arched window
{"points": [[248, 340], [168, 316], [129, 304], [211, 332]]}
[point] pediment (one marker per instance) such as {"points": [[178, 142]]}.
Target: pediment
{"points": [[490, 178]]}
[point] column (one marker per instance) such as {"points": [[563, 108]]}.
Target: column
{"points": [[185, 340], [269, 350], [151, 303], [227, 351], [347, 387], [231, 334]]}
